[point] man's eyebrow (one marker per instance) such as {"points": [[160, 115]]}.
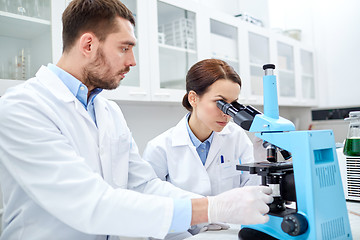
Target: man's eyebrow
{"points": [[131, 43]]}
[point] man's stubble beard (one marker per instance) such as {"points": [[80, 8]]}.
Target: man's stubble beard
{"points": [[96, 74]]}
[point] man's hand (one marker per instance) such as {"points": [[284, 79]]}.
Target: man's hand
{"points": [[246, 205]]}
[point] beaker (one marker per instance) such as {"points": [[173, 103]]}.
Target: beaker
{"points": [[352, 142]]}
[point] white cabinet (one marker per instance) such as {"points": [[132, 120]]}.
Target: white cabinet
{"points": [[136, 84], [294, 67], [172, 35], [256, 49], [224, 41], [286, 71], [30, 36], [173, 47], [308, 86], [295, 72]]}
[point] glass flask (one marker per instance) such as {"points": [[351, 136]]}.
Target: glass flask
{"points": [[352, 142]]}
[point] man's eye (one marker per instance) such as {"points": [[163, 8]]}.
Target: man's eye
{"points": [[124, 49]]}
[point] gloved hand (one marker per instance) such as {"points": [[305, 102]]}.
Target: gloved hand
{"points": [[246, 205], [215, 227]]}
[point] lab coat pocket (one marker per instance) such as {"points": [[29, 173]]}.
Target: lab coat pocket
{"points": [[120, 152], [229, 176]]}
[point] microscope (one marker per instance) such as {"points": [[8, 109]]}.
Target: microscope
{"points": [[308, 177]]}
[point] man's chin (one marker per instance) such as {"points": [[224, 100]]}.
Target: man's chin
{"points": [[112, 87]]}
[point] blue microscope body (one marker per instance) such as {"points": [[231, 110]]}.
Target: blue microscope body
{"points": [[311, 180]]}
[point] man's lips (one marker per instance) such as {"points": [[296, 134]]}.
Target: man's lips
{"points": [[122, 74]]}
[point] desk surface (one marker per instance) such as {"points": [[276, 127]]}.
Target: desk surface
{"points": [[232, 232]]}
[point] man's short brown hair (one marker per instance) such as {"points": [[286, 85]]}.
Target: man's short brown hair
{"points": [[96, 16]]}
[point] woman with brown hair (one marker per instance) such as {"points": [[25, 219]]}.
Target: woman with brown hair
{"points": [[201, 152]]}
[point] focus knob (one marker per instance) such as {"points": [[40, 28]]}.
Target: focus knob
{"points": [[294, 224]]}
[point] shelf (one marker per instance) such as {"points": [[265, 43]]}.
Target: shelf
{"points": [[226, 59], [286, 71], [224, 47], [176, 48], [257, 65], [18, 26], [307, 75], [173, 84]]}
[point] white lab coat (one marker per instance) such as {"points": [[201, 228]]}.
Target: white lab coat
{"points": [[64, 178], [174, 159]]}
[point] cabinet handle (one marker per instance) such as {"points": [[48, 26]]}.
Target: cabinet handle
{"points": [[138, 93], [162, 94]]}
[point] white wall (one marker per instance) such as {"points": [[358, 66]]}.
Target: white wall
{"points": [[333, 28], [147, 120], [337, 40]]}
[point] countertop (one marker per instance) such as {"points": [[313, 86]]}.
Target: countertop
{"points": [[232, 232]]}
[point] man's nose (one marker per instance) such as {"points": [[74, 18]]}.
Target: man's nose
{"points": [[131, 62]]}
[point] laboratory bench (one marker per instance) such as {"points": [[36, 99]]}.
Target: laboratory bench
{"points": [[232, 233]]}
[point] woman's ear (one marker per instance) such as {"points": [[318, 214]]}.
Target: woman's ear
{"points": [[192, 98]]}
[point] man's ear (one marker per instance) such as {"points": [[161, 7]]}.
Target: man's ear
{"points": [[88, 44], [193, 98]]}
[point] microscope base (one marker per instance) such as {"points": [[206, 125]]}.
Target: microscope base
{"points": [[252, 234]]}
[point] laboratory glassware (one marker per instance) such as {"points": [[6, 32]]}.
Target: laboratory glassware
{"points": [[352, 142]]}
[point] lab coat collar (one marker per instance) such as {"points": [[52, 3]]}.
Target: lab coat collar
{"points": [[215, 146], [54, 84], [181, 136], [214, 149]]}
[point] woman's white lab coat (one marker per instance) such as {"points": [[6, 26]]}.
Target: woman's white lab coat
{"points": [[174, 159], [63, 177]]}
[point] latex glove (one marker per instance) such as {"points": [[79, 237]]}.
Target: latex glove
{"points": [[215, 227], [246, 205]]}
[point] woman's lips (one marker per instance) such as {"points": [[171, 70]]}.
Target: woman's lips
{"points": [[223, 124]]}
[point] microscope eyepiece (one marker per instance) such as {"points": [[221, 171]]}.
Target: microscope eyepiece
{"points": [[227, 108], [224, 106], [242, 116], [267, 66]]}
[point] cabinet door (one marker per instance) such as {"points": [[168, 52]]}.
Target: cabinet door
{"points": [[136, 84], [307, 77], [224, 43], [30, 36], [174, 36], [259, 54], [286, 70]]}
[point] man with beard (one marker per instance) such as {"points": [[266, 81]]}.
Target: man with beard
{"points": [[69, 167]]}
